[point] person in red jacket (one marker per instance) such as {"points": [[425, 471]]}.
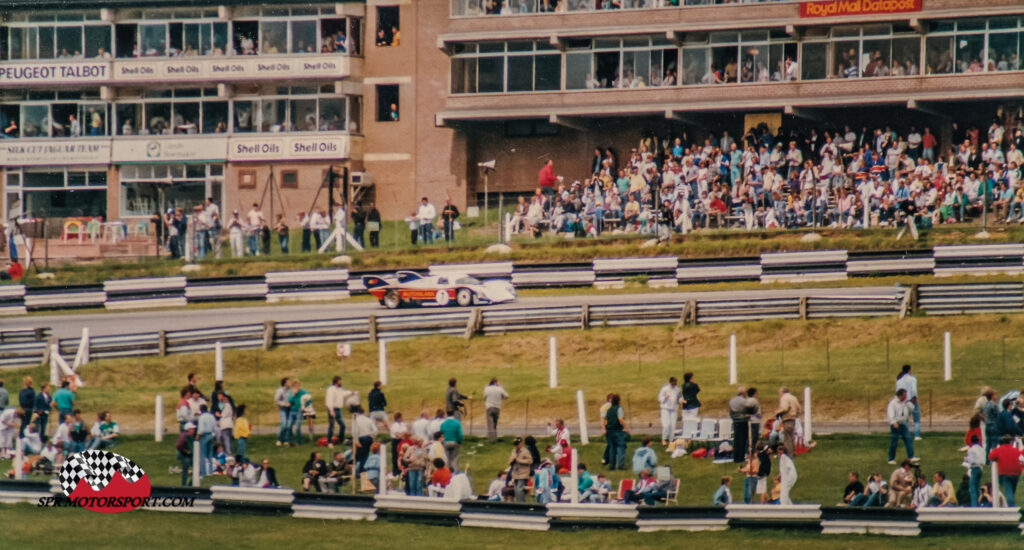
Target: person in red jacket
{"points": [[546, 177], [1007, 457]]}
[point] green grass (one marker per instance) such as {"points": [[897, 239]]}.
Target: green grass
{"points": [[138, 529], [850, 364], [396, 250]]}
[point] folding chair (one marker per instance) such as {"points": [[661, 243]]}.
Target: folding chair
{"points": [[624, 485], [707, 429], [672, 495], [691, 428], [725, 429]]}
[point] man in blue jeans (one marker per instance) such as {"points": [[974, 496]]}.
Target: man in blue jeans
{"points": [[283, 406], [335, 401], [1007, 459], [898, 414], [206, 430], [615, 435], [907, 381]]}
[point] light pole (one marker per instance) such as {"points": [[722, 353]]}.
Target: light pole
{"points": [[488, 167]]}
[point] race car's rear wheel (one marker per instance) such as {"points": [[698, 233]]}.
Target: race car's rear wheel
{"points": [[464, 297], [392, 300]]}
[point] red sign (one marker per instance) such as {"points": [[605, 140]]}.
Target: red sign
{"points": [[835, 8]]}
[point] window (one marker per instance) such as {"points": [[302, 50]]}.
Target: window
{"points": [[388, 26], [63, 40], [495, 67], [530, 128], [147, 189], [387, 103], [289, 179], [974, 45], [51, 192]]}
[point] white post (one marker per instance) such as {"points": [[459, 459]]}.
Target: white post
{"points": [[382, 361], [82, 355], [732, 359], [552, 363], [584, 438], [574, 477], [383, 485], [195, 464], [54, 369], [19, 458], [218, 362], [947, 358], [866, 201], [995, 486], [807, 415], [158, 419]]}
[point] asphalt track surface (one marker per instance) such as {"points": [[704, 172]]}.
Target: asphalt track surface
{"points": [[69, 325]]}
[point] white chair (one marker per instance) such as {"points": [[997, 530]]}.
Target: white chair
{"points": [[725, 429], [708, 427], [691, 427]]}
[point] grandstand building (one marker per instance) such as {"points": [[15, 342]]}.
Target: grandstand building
{"points": [[176, 100]]}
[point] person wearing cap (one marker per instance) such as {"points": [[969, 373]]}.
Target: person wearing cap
{"points": [[184, 448]]}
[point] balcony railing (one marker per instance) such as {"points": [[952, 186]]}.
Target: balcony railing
{"points": [[480, 8]]}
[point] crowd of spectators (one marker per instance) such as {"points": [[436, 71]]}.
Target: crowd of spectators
{"points": [[788, 179]]}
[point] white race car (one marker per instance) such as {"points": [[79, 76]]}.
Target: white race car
{"points": [[409, 287]]}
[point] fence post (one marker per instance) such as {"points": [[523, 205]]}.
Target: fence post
{"points": [[218, 362], [82, 355], [574, 476], [582, 411], [19, 459], [382, 361], [995, 486], [158, 419], [382, 485], [473, 324], [269, 328], [808, 433], [947, 358], [196, 478], [552, 362], [372, 320], [54, 369], [803, 308], [161, 342], [732, 359]]}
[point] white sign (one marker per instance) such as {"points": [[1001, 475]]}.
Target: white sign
{"points": [[297, 145], [54, 72], [170, 148], [54, 152], [333, 66]]}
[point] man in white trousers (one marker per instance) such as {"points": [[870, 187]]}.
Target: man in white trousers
{"points": [[668, 401], [787, 471]]}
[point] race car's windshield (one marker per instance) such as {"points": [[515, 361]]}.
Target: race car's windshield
{"points": [[466, 281]]}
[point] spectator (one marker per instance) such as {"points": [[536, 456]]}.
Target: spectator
{"points": [[943, 494], [723, 496], [378, 404], [1006, 421], [738, 411], [266, 476], [789, 410], [990, 414], [853, 489], [42, 405], [425, 217], [281, 399], [1008, 465], [451, 429], [668, 403], [453, 399], [750, 470], [414, 459], [27, 402], [206, 430], [494, 394], [105, 432], [359, 224], [519, 469], [898, 413], [296, 397], [10, 421], [787, 473], [363, 430], [615, 434], [449, 215], [644, 457], [373, 225], [184, 451], [314, 469], [874, 494], [440, 478], [922, 493], [63, 399], [975, 462], [241, 431], [334, 399], [908, 382], [691, 404], [337, 470], [900, 485], [5, 399]]}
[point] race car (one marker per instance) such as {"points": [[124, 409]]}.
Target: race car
{"points": [[409, 287]]}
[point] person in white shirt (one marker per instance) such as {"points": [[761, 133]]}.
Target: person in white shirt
{"points": [[561, 433], [255, 217], [898, 414], [235, 235], [494, 394], [31, 443], [922, 493], [363, 430], [787, 471], [908, 382], [434, 425], [425, 215], [668, 402], [334, 399], [420, 425], [341, 224]]}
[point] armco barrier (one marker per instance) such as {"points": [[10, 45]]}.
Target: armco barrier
{"points": [[539, 517], [335, 284], [970, 298]]}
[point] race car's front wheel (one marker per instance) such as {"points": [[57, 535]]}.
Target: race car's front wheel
{"points": [[464, 297], [391, 299]]}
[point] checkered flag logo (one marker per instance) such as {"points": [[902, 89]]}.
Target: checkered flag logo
{"points": [[97, 468]]}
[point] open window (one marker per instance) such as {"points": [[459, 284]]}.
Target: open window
{"points": [[388, 26], [387, 103]]}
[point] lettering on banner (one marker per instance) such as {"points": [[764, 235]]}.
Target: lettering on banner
{"points": [[834, 8], [71, 71]]}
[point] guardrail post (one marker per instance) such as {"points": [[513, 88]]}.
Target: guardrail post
{"points": [[54, 345], [581, 408], [574, 476], [732, 359], [161, 342], [49, 347], [372, 321], [803, 308], [269, 329], [474, 323], [552, 362], [947, 357], [585, 316], [382, 361], [218, 362], [19, 459], [196, 478], [915, 297], [691, 311], [807, 416], [158, 419]]}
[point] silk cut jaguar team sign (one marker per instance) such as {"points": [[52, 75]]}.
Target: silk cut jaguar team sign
{"points": [[104, 482]]}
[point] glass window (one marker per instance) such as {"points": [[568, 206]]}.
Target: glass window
{"points": [[1002, 51], [274, 36], [695, 66], [244, 116], [152, 40], [94, 120], [44, 178], [304, 118], [848, 61], [274, 116], [47, 37], [97, 41], [332, 114], [939, 54], [186, 118], [491, 74], [35, 121], [67, 203], [355, 113], [129, 115], [69, 41], [304, 38], [968, 53], [547, 72], [215, 117], [877, 54], [814, 60], [463, 75], [906, 56], [579, 71], [158, 118], [520, 73]]}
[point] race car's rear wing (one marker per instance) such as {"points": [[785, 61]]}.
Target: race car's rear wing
{"points": [[373, 281]]}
